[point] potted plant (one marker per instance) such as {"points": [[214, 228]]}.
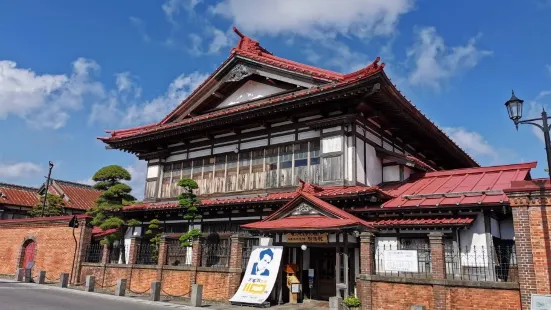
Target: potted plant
{"points": [[352, 302]]}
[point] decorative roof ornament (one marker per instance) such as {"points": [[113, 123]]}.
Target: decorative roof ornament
{"points": [[249, 45], [368, 70], [308, 188]]}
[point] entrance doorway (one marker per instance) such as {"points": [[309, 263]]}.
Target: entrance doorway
{"points": [[323, 261], [28, 253]]}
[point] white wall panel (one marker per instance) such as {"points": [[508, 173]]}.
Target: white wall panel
{"points": [[331, 144], [249, 91], [253, 144], [152, 171], [282, 139], [225, 149], [360, 164], [199, 153], [176, 157], [308, 134], [391, 173], [373, 166]]}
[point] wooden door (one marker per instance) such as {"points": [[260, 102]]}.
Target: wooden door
{"points": [[324, 261], [28, 253]]}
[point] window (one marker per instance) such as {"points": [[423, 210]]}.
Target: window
{"points": [[332, 168], [231, 173], [165, 185], [301, 162], [286, 165], [208, 174], [197, 174], [258, 176], [176, 176], [244, 178], [314, 169], [271, 167], [150, 189], [186, 169]]}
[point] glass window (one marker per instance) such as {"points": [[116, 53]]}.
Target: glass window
{"points": [[176, 176], [186, 169], [231, 173], [301, 162], [165, 185], [220, 166], [332, 168], [197, 169], [271, 167], [245, 163], [258, 177], [286, 165], [314, 168]]}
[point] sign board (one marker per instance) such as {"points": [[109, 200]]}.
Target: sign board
{"points": [[260, 275], [400, 260], [295, 288], [540, 302], [306, 238]]}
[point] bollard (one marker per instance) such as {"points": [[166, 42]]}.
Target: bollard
{"points": [[120, 290], [155, 294], [196, 295], [19, 274], [90, 283], [41, 277], [335, 303], [28, 276], [418, 307], [63, 280]]}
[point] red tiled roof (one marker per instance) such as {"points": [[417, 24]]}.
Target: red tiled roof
{"points": [[339, 218], [80, 196], [16, 195], [482, 185], [328, 191], [47, 218], [438, 221], [98, 232]]}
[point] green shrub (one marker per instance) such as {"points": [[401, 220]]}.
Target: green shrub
{"points": [[352, 301]]}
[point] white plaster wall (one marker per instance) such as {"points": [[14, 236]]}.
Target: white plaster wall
{"points": [[331, 144], [506, 229], [152, 171], [407, 172], [349, 159], [360, 165], [249, 91], [176, 157], [391, 173], [472, 241], [373, 166]]}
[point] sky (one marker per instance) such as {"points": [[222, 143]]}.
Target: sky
{"points": [[69, 70]]}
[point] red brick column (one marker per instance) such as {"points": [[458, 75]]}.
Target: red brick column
{"points": [[363, 284], [235, 263], [531, 205], [133, 250], [438, 271], [82, 248], [163, 251], [105, 256]]}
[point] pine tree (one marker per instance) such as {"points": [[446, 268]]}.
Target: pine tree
{"points": [[189, 202], [108, 212], [54, 206]]}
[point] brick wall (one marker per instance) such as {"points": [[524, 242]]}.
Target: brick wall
{"points": [[400, 295], [174, 280], [55, 245]]}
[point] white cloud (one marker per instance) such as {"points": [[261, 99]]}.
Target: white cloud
{"points": [[219, 41], [45, 101], [18, 170], [125, 83], [86, 181], [472, 142], [315, 18], [138, 172], [139, 24], [121, 110], [172, 8], [436, 62]]}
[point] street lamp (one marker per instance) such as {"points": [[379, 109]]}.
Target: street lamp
{"points": [[51, 165], [514, 107]]}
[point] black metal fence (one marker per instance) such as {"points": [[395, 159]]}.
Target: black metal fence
{"points": [[147, 253], [94, 253], [215, 254], [248, 245], [177, 255], [115, 254], [498, 264], [408, 259]]}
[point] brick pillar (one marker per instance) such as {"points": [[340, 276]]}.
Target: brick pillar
{"points": [[82, 248], [235, 263], [163, 251], [105, 255], [133, 250], [525, 259], [438, 271], [363, 284], [531, 206]]}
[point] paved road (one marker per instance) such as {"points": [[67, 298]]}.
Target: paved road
{"points": [[21, 296]]}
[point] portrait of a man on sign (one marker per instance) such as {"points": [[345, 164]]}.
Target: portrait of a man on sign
{"points": [[260, 268]]}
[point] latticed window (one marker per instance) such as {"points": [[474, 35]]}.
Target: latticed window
{"points": [[165, 185], [176, 175], [231, 173]]}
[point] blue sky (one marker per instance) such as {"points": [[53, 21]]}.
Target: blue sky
{"points": [[70, 69]]}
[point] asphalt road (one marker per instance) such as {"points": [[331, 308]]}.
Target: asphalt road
{"points": [[21, 296]]}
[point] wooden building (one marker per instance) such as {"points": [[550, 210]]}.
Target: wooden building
{"points": [[281, 148]]}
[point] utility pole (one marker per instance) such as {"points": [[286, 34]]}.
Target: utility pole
{"points": [[47, 186]]}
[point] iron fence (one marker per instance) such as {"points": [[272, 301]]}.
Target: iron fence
{"points": [[248, 245], [389, 259], [147, 253], [498, 264], [94, 253], [215, 254], [177, 255], [115, 254]]}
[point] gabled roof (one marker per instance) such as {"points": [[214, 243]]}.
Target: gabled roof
{"points": [[321, 192], [17, 195], [471, 186], [328, 217], [76, 195]]}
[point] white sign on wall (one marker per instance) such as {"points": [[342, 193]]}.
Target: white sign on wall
{"points": [[400, 260], [260, 276], [540, 302]]}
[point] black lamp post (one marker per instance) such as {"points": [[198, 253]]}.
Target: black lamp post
{"points": [[514, 107]]}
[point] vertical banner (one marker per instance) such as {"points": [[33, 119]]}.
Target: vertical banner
{"points": [[260, 276]]}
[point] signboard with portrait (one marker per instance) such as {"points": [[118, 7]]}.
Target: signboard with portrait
{"points": [[401, 261], [260, 275]]}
